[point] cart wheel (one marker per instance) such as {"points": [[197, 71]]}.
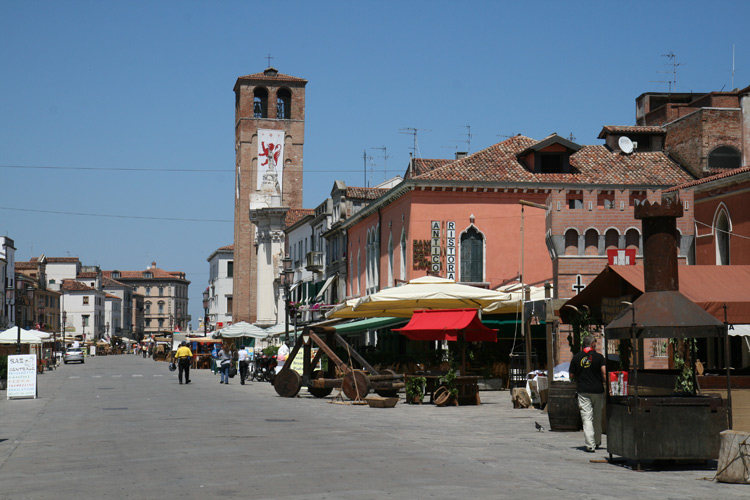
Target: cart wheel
{"points": [[356, 385], [287, 383], [387, 393], [319, 392]]}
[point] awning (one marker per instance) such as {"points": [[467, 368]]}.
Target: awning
{"points": [[508, 328], [368, 324], [739, 330], [325, 287], [447, 324]]}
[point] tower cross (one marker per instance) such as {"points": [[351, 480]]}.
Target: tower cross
{"points": [[269, 57]]}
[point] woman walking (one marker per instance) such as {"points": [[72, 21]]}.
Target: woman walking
{"points": [[224, 359]]}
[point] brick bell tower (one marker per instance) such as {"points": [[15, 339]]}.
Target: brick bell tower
{"points": [[269, 135]]}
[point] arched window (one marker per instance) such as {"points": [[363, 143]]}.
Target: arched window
{"points": [[571, 242], [359, 270], [721, 230], [161, 307], [611, 239], [403, 254], [260, 103], [472, 256], [148, 307], [283, 104], [591, 240], [724, 157], [633, 240]]}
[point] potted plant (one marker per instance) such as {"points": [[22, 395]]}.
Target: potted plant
{"points": [[415, 389], [447, 393]]}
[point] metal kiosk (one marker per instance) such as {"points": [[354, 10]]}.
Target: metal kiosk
{"points": [[662, 424]]}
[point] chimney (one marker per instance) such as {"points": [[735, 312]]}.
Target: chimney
{"points": [[461, 154], [660, 249]]}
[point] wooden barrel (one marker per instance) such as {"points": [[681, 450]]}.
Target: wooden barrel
{"points": [[562, 407]]}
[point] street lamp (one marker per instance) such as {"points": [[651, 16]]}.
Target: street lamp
{"points": [[287, 278], [205, 312]]}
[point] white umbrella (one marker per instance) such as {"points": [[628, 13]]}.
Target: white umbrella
{"points": [[41, 335], [514, 303], [242, 329], [10, 336], [427, 292]]}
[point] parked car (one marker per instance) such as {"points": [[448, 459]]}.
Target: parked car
{"points": [[73, 354]]}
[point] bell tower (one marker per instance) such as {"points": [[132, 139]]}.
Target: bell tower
{"points": [[269, 135]]}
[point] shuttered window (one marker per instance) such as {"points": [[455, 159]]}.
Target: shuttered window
{"points": [[472, 256]]}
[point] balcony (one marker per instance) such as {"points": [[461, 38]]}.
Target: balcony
{"points": [[314, 262]]}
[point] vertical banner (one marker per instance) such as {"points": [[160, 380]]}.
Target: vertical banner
{"points": [[435, 246], [270, 157], [21, 376], [450, 250]]}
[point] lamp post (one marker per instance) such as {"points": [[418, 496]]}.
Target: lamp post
{"points": [[288, 276], [205, 312]]}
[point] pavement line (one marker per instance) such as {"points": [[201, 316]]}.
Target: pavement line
{"points": [[96, 376], [74, 376], [116, 376], [160, 375], [137, 375]]}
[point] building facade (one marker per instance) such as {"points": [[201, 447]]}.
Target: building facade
{"points": [[165, 303], [269, 137], [220, 287], [8, 277]]}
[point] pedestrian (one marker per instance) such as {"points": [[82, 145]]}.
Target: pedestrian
{"points": [[184, 357], [150, 350], [244, 360], [214, 356], [587, 368], [224, 359]]}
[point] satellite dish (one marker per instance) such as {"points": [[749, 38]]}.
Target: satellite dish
{"points": [[626, 145]]}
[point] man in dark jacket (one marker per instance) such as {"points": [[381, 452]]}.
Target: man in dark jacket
{"points": [[588, 370]]}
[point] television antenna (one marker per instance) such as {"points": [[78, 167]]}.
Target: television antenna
{"points": [[672, 62], [385, 160], [367, 160], [468, 139]]}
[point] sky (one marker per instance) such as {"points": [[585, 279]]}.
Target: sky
{"points": [[117, 118]]}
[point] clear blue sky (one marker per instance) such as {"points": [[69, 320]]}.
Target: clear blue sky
{"points": [[97, 88]]}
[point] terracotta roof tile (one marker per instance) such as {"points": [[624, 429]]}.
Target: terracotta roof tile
{"points": [[26, 265], [697, 182], [630, 129], [424, 165], [110, 296], [294, 215], [227, 247], [590, 165], [76, 286], [107, 281], [86, 275], [362, 193], [278, 77], [156, 273]]}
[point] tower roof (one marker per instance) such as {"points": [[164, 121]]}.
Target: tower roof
{"points": [[269, 75]]}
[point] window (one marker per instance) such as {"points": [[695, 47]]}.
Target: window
{"points": [[148, 307], [721, 230], [571, 242], [51, 282], [606, 201], [85, 300], [611, 239], [148, 291], [115, 274], [637, 199], [591, 240], [283, 104], [575, 201], [161, 291], [390, 260], [260, 103], [472, 256], [229, 306], [85, 320], [403, 254], [161, 323], [230, 269], [148, 323], [148, 274], [551, 163], [633, 240], [724, 157], [161, 307]]}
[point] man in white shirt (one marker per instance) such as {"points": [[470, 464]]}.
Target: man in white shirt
{"points": [[244, 359]]}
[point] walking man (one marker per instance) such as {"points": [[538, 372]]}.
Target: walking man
{"points": [[588, 370], [244, 359], [184, 356]]}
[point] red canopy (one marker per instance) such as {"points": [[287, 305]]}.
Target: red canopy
{"points": [[447, 324]]}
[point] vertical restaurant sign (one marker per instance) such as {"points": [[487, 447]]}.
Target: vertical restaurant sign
{"points": [[450, 250], [21, 376], [435, 246], [270, 156]]}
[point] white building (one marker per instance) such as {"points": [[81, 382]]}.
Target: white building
{"points": [[112, 316], [84, 308], [220, 285], [59, 269], [8, 277]]}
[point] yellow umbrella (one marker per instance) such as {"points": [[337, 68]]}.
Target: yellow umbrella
{"points": [[427, 292]]}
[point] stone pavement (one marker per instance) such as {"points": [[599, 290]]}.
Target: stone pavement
{"points": [[122, 427]]}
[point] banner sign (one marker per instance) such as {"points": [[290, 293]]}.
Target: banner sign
{"points": [[435, 247], [450, 250], [270, 157], [21, 376], [621, 257]]}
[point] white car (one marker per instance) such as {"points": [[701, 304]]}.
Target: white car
{"points": [[73, 354]]}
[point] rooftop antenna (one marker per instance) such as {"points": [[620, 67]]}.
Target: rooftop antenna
{"points": [[366, 159], [732, 66], [571, 137], [468, 139], [385, 160], [673, 62], [269, 57], [413, 132]]}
